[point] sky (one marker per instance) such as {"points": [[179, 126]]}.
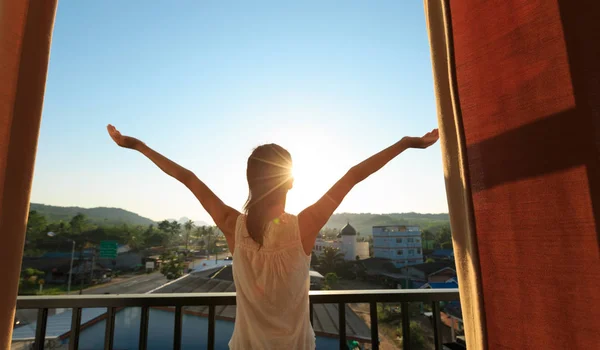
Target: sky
{"points": [[204, 82]]}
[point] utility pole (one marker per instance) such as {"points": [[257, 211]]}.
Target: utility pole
{"points": [[216, 251], [92, 268], [81, 271], [71, 268]]}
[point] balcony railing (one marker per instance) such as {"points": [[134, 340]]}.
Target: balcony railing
{"points": [[178, 301]]}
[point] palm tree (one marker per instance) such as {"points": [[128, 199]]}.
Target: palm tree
{"points": [[197, 235], [330, 258], [189, 226]]}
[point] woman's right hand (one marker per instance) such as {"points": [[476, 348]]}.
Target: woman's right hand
{"points": [[424, 141], [122, 140]]}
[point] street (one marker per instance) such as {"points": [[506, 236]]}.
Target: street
{"points": [[133, 285]]}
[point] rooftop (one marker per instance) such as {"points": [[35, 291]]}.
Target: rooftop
{"points": [[325, 322], [443, 252], [57, 325], [348, 230], [429, 268], [437, 285]]}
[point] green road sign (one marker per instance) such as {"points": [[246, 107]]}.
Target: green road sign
{"points": [[108, 249]]}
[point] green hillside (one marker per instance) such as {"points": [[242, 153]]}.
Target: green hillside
{"points": [[99, 216], [364, 222]]}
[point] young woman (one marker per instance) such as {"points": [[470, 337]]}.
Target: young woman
{"points": [[272, 248]]}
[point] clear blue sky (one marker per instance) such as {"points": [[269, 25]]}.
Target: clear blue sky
{"points": [[204, 82]]}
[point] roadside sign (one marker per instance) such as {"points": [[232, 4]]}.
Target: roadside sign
{"points": [[108, 249], [150, 265]]}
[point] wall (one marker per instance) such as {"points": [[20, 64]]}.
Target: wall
{"points": [[362, 250], [349, 247], [124, 261], [414, 273], [389, 240]]}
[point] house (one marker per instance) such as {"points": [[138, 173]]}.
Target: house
{"points": [[440, 271], [439, 285], [127, 260], [442, 254]]}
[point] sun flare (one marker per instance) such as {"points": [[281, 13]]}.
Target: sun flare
{"points": [[312, 171]]}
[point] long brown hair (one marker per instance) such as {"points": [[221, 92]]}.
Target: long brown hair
{"points": [[269, 175]]}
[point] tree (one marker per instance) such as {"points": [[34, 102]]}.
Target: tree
{"points": [[209, 232], [135, 238], [175, 228], [79, 223], [30, 277], [331, 279], [429, 260], [330, 258], [189, 226], [172, 265], [427, 238], [314, 259], [36, 225], [170, 228], [444, 236], [417, 338], [154, 237], [164, 226], [197, 235], [60, 228]]}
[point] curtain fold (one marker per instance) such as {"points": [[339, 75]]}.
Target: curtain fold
{"points": [[517, 86], [25, 37], [456, 172]]}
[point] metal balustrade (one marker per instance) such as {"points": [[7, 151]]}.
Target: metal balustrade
{"points": [[178, 301]]}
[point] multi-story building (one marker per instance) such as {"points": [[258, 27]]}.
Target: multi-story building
{"points": [[398, 243]]}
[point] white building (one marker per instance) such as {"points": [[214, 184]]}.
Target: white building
{"points": [[346, 243], [398, 243]]}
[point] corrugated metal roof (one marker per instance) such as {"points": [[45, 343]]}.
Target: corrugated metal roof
{"points": [[440, 285], [325, 315], [57, 325]]}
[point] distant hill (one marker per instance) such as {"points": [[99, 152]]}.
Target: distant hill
{"points": [[99, 216], [364, 222]]}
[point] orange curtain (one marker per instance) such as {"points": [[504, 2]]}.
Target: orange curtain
{"points": [[518, 91], [25, 36], [456, 175]]}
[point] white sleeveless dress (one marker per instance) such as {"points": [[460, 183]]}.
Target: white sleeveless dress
{"points": [[272, 285]]}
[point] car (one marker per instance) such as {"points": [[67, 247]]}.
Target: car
{"points": [[229, 258]]}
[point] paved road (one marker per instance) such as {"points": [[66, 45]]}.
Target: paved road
{"points": [[134, 285]]}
